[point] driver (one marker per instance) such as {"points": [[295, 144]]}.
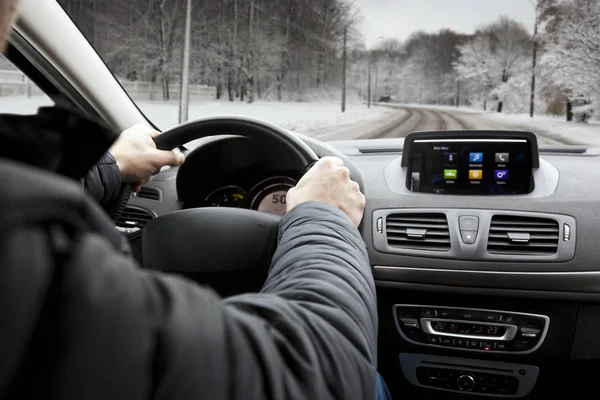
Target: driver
{"points": [[133, 158], [81, 320]]}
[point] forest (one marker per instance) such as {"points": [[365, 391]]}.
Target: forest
{"points": [[294, 50]]}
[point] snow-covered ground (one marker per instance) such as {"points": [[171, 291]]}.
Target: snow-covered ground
{"points": [[317, 118], [302, 117], [308, 118], [556, 127], [550, 126], [23, 105]]}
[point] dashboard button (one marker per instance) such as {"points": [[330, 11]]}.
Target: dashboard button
{"points": [[490, 317], [501, 346], [428, 313], [447, 342], [532, 324], [468, 237], [407, 312], [470, 315], [508, 319], [433, 340], [414, 334], [473, 344], [487, 346], [410, 322], [524, 343], [460, 342], [468, 223], [446, 313]]}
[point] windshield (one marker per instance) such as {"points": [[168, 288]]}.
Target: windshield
{"points": [[368, 69]]}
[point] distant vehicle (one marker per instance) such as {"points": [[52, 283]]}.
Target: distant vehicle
{"points": [[385, 99]]}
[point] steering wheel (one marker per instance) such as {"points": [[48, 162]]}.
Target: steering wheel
{"points": [[212, 240]]}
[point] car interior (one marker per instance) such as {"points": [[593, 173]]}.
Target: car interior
{"points": [[488, 285]]}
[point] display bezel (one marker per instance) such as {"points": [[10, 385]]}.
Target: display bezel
{"points": [[413, 162]]}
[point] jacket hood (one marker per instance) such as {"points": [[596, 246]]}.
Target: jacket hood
{"points": [[58, 139]]}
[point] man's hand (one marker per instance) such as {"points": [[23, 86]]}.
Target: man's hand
{"points": [[138, 158], [329, 181]]}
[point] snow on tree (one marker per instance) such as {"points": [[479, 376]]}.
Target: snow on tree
{"points": [[497, 53], [572, 58]]}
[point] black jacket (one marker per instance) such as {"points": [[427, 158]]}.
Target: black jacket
{"points": [[82, 321], [103, 181], [61, 140]]}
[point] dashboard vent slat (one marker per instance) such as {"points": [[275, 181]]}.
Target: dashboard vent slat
{"points": [[134, 217], [519, 235], [418, 231], [149, 193]]}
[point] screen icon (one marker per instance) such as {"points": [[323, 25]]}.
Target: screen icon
{"points": [[502, 158], [450, 174], [475, 174], [476, 157], [451, 158], [501, 174]]}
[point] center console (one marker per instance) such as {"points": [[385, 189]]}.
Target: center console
{"points": [[471, 330], [467, 376]]}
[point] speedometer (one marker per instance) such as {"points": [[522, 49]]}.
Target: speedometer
{"points": [[228, 196], [270, 195]]}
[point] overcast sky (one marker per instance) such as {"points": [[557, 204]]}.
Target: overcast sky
{"points": [[399, 18]]}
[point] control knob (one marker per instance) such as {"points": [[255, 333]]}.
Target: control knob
{"points": [[466, 382]]}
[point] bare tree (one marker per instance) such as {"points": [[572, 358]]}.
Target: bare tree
{"points": [[498, 52]]}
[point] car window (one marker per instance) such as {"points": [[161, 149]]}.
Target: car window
{"points": [[347, 69], [18, 94]]}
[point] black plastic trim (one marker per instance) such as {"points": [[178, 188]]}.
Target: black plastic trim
{"points": [[575, 282], [490, 292], [478, 251], [33, 64], [471, 134]]}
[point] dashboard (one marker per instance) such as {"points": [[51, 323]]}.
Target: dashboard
{"points": [[245, 179], [489, 292]]}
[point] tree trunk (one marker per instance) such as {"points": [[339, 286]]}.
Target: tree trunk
{"points": [[322, 48], [569, 110], [219, 91], [535, 45], [500, 105], [344, 62], [458, 92], [233, 53], [369, 82], [282, 74], [250, 78], [165, 87]]}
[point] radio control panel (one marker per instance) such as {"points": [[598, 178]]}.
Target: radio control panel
{"points": [[471, 329]]}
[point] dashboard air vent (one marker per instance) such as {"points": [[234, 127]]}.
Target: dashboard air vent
{"points": [[517, 235], [420, 231], [149, 193], [134, 217]]}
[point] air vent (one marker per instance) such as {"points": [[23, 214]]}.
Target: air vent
{"points": [[134, 217], [420, 231], [149, 193], [517, 235]]}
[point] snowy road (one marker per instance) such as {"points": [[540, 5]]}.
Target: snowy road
{"points": [[406, 119]]}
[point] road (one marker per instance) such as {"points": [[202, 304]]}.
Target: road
{"points": [[405, 119]]}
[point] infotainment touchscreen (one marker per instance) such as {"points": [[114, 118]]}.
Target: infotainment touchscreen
{"points": [[471, 166]]}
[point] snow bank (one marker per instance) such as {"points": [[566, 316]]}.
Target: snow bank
{"points": [[23, 105], [555, 127], [303, 117], [309, 117]]}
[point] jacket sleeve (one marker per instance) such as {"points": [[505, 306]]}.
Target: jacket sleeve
{"points": [[106, 329], [103, 181]]}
